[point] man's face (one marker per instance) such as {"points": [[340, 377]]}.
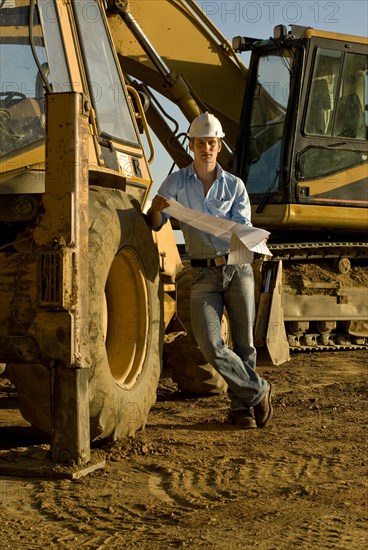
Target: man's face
{"points": [[205, 149]]}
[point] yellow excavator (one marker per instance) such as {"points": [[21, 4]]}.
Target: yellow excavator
{"points": [[86, 294], [296, 133], [82, 306]]}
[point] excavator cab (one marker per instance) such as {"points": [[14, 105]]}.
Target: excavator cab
{"points": [[43, 53], [304, 124], [302, 153]]}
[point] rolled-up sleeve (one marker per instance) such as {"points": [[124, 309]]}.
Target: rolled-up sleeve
{"points": [[167, 189], [241, 208]]}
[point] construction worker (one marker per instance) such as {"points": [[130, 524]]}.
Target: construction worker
{"points": [[205, 187]]}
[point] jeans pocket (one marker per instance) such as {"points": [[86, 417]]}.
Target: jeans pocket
{"points": [[245, 269], [197, 274]]}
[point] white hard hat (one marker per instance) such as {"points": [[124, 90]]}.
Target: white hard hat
{"points": [[205, 125]]}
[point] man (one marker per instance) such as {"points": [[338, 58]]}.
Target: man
{"points": [[204, 186]]}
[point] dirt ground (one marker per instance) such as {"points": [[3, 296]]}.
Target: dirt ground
{"points": [[192, 481]]}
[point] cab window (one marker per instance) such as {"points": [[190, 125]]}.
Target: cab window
{"points": [[106, 89], [337, 95]]}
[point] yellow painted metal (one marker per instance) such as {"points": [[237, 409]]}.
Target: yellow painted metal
{"points": [[71, 46], [22, 162], [134, 92], [20, 32], [50, 304], [336, 180], [188, 45], [64, 226], [270, 334], [169, 308], [170, 261], [310, 33], [127, 318], [276, 216]]}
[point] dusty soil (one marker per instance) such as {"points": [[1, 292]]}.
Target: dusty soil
{"points": [[192, 481], [305, 277]]}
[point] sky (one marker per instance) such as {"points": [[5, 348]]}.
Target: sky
{"points": [[257, 19]]}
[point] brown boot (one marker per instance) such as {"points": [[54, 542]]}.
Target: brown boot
{"points": [[242, 419], [263, 411]]}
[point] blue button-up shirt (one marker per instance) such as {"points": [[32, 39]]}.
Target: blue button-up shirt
{"points": [[227, 198]]}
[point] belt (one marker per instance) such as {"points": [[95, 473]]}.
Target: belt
{"points": [[213, 262]]}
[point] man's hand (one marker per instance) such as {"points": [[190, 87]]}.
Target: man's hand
{"points": [[154, 212], [159, 203]]}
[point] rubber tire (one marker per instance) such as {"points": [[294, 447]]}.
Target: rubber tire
{"points": [[183, 359], [125, 325]]}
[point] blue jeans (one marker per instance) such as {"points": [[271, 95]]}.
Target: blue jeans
{"points": [[230, 286]]}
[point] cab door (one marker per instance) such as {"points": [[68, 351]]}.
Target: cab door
{"points": [[331, 142]]}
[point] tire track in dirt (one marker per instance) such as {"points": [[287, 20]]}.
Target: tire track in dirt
{"points": [[198, 485], [191, 481]]}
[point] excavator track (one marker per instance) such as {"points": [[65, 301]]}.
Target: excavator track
{"points": [[325, 268], [298, 347], [322, 250]]}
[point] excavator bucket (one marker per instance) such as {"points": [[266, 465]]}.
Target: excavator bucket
{"points": [[269, 333]]}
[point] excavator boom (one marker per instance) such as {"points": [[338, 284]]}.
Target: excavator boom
{"points": [[305, 171], [184, 57]]}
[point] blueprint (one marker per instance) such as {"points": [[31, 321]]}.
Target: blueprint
{"points": [[244, 239]]}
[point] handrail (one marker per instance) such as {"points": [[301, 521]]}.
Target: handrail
{"points": [[144, 122]]}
